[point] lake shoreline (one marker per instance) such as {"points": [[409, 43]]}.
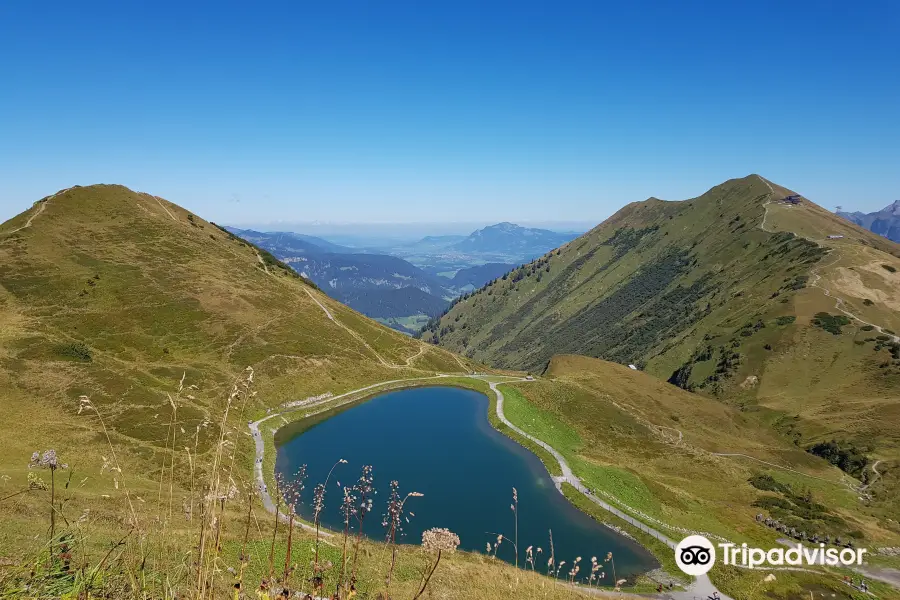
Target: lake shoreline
{"points": [[336, 405]]}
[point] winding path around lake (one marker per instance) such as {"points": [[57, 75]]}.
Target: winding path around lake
{"points": [[701, 587]]}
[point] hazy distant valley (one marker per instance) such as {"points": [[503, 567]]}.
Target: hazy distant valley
{"points": [[403, 284]]}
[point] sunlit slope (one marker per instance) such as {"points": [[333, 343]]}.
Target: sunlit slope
{"points": [[624, 290], [142, 283], [716, 295], [116, 295], [690, 463], [664, 446]]}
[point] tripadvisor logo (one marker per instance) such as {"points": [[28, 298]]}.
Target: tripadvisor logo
{"points": [[696, 555]]}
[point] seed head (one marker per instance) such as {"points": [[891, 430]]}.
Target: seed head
{"points": [[438, 539], [84, 403]]}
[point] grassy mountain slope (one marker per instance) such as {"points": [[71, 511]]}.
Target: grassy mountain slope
{"points": [[115, 295], [658, 446], [706, 294], [657, 451]]}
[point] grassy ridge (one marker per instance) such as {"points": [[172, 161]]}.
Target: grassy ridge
{"points": [[731, 295]]}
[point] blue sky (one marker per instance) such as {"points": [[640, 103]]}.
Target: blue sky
{"points": [[453, 111]]}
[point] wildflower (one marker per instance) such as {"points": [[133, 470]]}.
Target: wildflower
{"points": [[439, 540], [47, 460], [84, 403], [529, 557], [391, 521], [35, 482]]}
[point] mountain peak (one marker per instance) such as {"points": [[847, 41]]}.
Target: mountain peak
{"points": [[885, 222], [893, 208], [511, 242], [505, 227]]}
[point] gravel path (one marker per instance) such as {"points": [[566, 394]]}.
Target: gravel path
{"points": [[701, 587]]}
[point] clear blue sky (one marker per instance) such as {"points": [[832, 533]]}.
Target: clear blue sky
{"points": [[447, 111]]}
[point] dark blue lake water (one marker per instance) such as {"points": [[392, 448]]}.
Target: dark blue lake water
{"points": [[437, 441]]}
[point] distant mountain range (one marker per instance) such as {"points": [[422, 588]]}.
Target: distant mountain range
{"points": [[377, 285], [288, 242], [342, 274], [414, 279], [885, 222]]}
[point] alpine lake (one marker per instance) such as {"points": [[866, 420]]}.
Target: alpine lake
{"points": [[437, 441]]}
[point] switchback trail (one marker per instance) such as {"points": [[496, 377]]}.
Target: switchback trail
{"points": [[814, 280], [874, 479]]}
